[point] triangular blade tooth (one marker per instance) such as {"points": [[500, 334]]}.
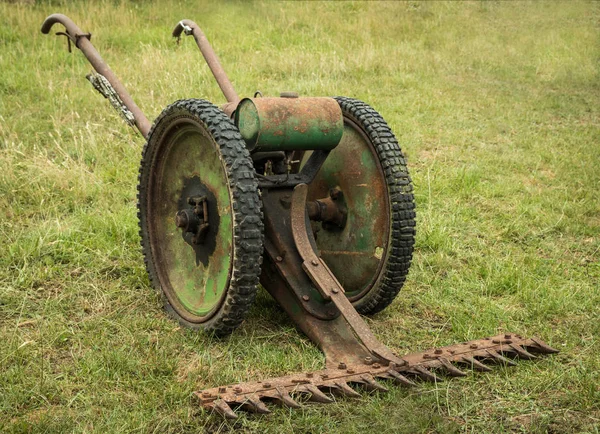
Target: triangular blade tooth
{"points": [[371, 384], [426, 374], [476, 364], [500, 358], [452, 370], [223, 409], [255, 405], [543, 347], [399, 378], [284, 397], [345, 389], [315, 394], [522, 352]]}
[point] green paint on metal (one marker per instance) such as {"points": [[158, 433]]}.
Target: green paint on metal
{"points": [[355, 253], [198, 276], [280, 124]]}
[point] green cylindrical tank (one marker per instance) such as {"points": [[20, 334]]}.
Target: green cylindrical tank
{"points": [[285, 124]]}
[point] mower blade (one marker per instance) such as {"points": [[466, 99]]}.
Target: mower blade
{"points": [[399, 378], [255, 405], [315, 394], [284, 398], [542, 347], [342, 388], [522, 352], [500, 358], [336, 380], [223, 409], [452, 370], [425, 374], [371, 385], [476, 364]]}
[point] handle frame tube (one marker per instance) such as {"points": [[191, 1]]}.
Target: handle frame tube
{"points": [[191, 28], [82, 41]]}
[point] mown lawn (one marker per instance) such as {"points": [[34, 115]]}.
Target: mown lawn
{"points": [[497, 106]]}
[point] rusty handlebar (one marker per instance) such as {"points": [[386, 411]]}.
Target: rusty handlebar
{"points": [[191, 28], [82, 41]]}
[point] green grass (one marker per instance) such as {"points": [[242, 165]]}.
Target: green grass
{"points": [[497, 106]]}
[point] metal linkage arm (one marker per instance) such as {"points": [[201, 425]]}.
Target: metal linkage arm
{"points": [[82, 41], [191, 28]]}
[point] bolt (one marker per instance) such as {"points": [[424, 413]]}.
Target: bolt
{"points": [[266, 385], [473, 346], [495, 341], [426, 356], [181, 219], [334, 193], [335, 290], [368, 360], [305, 297], [324, 376], [222, 389], [438, 351], [237, 389], [507, 336], [314, 262], [309, 375], [350, 371], [205, 394], [452, 351], [342, 365], [376, 365], [279, 259]]}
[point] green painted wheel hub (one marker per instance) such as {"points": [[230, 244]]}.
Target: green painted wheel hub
{"points": [[194, 277]]}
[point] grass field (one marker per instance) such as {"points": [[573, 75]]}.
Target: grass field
{"points": [[497, 106]]}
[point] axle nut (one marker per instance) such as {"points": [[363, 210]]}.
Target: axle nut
{"points": [[181, 219]]}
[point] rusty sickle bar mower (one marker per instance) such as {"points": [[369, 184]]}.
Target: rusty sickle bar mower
{"points": [[310, 197]]}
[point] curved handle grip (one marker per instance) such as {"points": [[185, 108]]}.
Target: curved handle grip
{"points": [[187, 26], [82, 41], [191, 28], [71, 27]]}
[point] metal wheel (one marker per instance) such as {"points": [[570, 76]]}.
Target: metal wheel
{"points": [[371, 255], [200, 216]]}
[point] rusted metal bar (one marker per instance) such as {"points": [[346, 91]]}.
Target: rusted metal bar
{"points": [[336, 379], [82, 41], [325, 281], [191, 28]]}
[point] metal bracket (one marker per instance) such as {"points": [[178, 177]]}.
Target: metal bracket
{"points": [[327, 284]]}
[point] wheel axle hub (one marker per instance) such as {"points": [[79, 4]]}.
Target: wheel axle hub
{"points": [[194, 220]]}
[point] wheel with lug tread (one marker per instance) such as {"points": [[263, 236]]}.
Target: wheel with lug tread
{"points": [[371, 255], [200, 217]]}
